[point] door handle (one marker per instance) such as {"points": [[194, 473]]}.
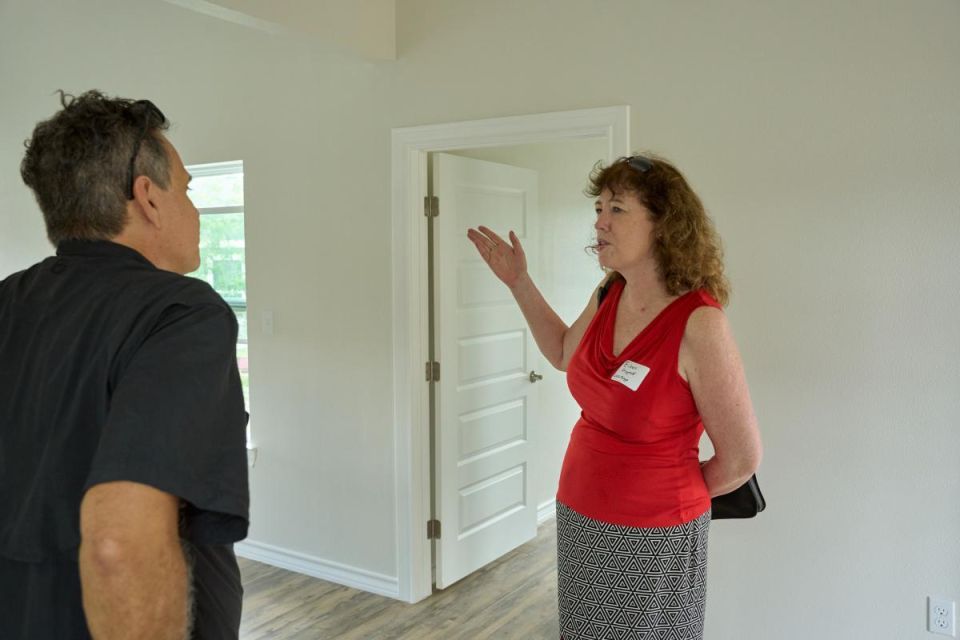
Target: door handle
{"points": [[534, 376]]}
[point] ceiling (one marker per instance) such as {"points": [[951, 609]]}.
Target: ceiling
{"points": [[366, 28]]}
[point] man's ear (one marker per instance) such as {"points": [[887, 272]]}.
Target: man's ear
{"points": [[145, 193]]}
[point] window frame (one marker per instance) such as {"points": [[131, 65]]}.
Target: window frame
{"points": [[231, 167]]}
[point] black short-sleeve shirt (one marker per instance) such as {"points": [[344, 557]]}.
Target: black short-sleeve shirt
{"points": [[112, 369]]}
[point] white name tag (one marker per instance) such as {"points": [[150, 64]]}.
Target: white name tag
{"points": [[631, 374]]}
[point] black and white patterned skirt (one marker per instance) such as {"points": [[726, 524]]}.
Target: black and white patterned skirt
{"points": [[630, 583]]}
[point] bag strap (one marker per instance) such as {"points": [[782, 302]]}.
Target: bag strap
{"points": [[604, 288], [602, 292]]}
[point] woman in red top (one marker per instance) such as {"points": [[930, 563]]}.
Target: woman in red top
{"points": [[651, 366]]}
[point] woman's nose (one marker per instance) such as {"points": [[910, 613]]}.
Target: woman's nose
{"points": [[601, 222]]}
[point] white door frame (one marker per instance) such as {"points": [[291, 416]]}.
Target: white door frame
{"points": [[410, 311]]}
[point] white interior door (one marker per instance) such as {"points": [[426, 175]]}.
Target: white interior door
{"points": [[485, 395]]}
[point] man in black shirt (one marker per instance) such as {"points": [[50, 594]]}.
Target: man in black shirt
{"points": [[123, 476]]}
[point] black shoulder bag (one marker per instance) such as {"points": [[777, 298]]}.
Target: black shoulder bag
{"points": [[744, 502]]}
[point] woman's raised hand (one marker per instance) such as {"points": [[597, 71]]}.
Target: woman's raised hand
{"points": [[507, 261]]}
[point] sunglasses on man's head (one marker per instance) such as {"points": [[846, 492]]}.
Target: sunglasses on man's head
{"points": [[639, 163], [150, 114]]}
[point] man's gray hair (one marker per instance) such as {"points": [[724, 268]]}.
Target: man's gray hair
{"points": [[78, 163]]}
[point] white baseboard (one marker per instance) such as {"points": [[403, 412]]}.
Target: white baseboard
{"points": [[336, 572], [319, 568], [545, 511]]}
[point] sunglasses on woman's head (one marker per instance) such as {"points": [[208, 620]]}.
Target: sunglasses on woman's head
{"points": [[639, 163]]}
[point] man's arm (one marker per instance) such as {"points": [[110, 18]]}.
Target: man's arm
{"points": [[132, 569]]}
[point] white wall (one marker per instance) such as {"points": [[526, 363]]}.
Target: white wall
{"points": [[317, 224], [567, 275], [823, 137]]}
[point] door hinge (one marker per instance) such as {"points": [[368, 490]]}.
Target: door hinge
{"points": [[431, 206], [433, 529], [433, 371]]}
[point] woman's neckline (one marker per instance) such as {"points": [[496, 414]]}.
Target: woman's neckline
{"points": [[609, 346]]}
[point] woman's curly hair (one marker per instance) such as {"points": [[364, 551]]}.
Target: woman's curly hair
{"points": [[686, 244]]}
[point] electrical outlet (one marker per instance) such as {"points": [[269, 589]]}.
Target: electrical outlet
{"points": [[942, 617]]}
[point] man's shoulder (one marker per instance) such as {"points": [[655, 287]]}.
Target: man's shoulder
{"points": [[175, 288], [12, 279], [131, 297], [136, 283], [124, 279], [164, 298]]}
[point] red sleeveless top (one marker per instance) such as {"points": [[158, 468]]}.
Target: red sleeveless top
{"points": [[633, 454]]}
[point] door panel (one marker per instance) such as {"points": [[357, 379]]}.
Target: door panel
{"points": [[486, 353]]}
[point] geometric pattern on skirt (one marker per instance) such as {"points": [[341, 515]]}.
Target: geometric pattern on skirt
{"points": [[630, 583]]}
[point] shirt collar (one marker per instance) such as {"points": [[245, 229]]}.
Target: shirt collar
{"points": [[99, 249]]}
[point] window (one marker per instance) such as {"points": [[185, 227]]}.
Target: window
{"points": [[217, 192]]}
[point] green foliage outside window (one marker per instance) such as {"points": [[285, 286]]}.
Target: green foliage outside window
{"points": [[223, 265], [222, 252]]}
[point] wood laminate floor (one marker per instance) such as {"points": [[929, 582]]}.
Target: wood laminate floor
{"points": [[512, 598]]}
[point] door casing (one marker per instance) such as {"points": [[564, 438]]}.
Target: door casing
{"points": [[411, 402]]}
